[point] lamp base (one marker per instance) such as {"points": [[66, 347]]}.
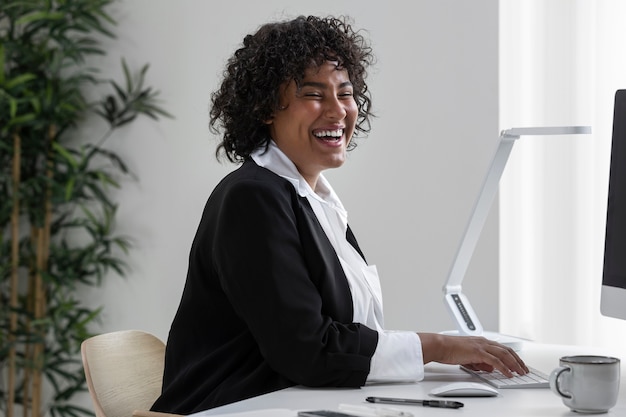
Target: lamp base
{"points": [[514, 343]]}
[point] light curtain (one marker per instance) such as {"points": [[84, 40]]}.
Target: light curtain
{"points": [[560, 64]]}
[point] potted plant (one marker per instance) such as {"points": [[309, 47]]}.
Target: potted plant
{"points": [[57, 216]]}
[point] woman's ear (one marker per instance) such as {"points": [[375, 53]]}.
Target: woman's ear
{"points": [[271, 119]]}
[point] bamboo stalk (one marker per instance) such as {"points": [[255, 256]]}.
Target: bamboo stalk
{"points": [[43, 254], [15, 245], [29, 349], [48, 207], [38, 314]]}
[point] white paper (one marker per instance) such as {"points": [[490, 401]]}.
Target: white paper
{"points": [[269, 412]]}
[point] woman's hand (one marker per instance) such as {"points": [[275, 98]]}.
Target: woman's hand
{"points": [[476, 353]]}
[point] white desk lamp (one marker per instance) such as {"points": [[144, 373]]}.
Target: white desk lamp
{"points": [[457, 303]]}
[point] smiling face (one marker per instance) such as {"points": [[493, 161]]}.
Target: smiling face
{"points": [[316, 120]]}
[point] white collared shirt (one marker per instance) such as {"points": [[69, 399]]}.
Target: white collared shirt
{"points": [[398, 355]]}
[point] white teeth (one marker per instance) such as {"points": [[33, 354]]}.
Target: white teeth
{"points": [[332, 133]]}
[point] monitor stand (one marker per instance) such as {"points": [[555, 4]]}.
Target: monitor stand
{"points": [[458, 305]]}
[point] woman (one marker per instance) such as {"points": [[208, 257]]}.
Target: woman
{"points": [[278, 292]]}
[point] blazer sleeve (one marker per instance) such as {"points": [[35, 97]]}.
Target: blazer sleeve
{"points": [[299, 314]]}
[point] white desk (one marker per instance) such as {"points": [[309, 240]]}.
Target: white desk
{"points": [[540, 402]]}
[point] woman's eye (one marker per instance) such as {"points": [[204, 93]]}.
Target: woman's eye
{"points": [[309, 93], [318, 95]]}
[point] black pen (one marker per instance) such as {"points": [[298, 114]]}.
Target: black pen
{"points": [[424, 403]]}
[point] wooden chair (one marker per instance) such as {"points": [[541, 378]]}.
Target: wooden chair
{"points": [[124, 372]]}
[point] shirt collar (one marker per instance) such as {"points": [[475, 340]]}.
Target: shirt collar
{"points": [[276, 161]]}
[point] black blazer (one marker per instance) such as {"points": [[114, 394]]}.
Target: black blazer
{"points": [[266, 304]]}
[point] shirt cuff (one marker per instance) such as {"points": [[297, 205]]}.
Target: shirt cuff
{"points": [[398, 357]]}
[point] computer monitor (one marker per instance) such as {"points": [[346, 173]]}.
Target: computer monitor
{"points": [[613, 292]]}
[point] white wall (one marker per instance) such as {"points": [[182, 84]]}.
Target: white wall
{"points": [[409, 187], [561, 63]]}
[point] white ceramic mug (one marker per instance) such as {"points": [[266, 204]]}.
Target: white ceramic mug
{"points": [[587, 383]]}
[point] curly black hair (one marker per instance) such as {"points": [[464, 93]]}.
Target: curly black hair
{"points": [[277, 53]]}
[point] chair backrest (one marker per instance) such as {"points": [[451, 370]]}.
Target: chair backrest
{"points": [[124, 371]]}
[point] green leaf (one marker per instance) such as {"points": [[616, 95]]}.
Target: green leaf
{"points": [[127, 76], [65, 154], [119, 91], [69, 189], [33, 17], [23, 119], [20, 79], [12, 108], [2, 65]]}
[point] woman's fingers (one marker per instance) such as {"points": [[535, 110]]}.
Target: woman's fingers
{"points": [[476, 352], [500, 357]]}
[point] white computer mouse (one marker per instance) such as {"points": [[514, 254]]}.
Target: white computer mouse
{"points": [[464, 389]]}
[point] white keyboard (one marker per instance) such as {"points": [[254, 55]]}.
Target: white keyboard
{"points": [[533, 379]]}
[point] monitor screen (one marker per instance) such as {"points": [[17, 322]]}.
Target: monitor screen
{"points": [[613, 298]]}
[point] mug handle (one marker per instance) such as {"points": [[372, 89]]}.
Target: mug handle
{"points": [[554, 381]]}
